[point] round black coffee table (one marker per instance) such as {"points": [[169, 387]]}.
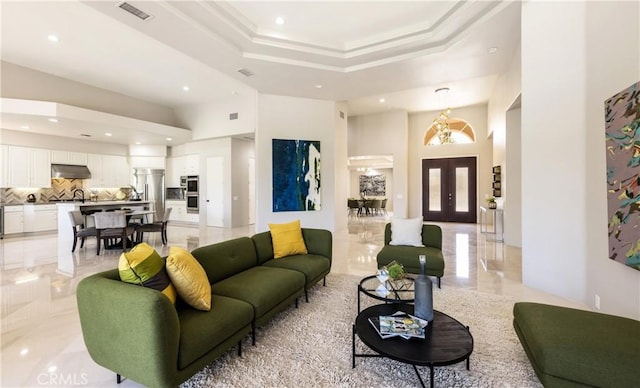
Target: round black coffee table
{"points": [[446, 342]]}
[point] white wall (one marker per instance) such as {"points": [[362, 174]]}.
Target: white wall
{"points": [[574, 56], [419, 123], [212, 120], [512, 179], [281, 117], [22, 82], [553, 153], [341, 191], [613, 64], [385, 134]]}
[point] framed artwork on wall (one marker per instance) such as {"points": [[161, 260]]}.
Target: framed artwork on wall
{"points": [[296, 175], [622, 135], [373, 185]]}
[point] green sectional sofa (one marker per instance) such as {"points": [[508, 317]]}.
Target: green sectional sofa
{"points": [[408, 255], [139, 334], [576, 348]]}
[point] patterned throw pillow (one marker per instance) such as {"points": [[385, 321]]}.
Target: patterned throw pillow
{"points": [[189, 278], [142, 265], [287, 239]]}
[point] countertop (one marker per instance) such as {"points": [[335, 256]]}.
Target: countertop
{"points": [[80, 203], [101, 203]]}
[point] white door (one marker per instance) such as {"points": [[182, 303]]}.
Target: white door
{"points": [[215, 189], [252, 191]]}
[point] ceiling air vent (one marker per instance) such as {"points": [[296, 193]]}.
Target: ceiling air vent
{"points": [[233, 116], [246, 72], [134, 11]]}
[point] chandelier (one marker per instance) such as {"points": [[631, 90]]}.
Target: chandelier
{"points": [[441, 123]]}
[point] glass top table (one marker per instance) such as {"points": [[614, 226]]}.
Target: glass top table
{"points": [[388, 291]]}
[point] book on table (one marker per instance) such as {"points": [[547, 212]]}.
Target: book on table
{"points": [[399, 324]]}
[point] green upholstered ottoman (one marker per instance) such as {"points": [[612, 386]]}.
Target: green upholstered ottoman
{"points": [[570, 348]]}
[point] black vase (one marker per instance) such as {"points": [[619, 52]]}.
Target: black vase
{"points": [[423, 290]]}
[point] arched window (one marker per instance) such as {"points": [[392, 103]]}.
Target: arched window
{"points": [[461, 133]]}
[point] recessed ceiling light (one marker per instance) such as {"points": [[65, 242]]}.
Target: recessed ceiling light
{"points": [[53, 38], [108, 134], [24, 126], [53, 120], [169, 139], [318, 86], [381, 100], [279, 20], [235, 92], [138, 143], [185, 88], [492, 50]]}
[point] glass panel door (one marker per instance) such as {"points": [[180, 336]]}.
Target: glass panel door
{"points": [[449, 189], [462, 189], [435, 189]]}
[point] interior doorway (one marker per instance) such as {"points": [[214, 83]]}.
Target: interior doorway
{"points": [[215, 190], [449, 192]]}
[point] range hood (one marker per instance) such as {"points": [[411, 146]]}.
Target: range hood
{"points": [[70, 171]]}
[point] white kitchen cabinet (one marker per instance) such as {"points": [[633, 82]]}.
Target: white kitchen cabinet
{"points": [[172, 176], [4, 163], [40, 218], [28, 167], [192, 165], [115, 171], [182, 165], [13, 220], [179, 212], [68, 157], [108, 171]]}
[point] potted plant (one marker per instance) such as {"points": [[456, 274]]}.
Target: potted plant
{"points": [[491, 202]]}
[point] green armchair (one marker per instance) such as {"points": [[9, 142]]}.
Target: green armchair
{"points": [[408, 255]]}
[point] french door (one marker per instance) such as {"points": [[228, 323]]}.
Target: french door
{"points": [[449, 190]]}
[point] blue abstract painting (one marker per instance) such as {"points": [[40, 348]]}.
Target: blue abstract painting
{"points": [[296, 175]]}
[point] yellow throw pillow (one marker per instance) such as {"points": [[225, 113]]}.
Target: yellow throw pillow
{"points": [[287, 239], [190, 279], [142, 265]]}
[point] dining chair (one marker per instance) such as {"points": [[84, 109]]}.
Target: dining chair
{"points": [[157, 226], [110, 226], [353, 207], [383, 207], [376, 205], [79, 230]]}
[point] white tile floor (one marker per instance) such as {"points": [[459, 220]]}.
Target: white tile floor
{"points": [[41, 343]]}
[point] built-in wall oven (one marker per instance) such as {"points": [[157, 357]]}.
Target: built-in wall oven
{"points": [[192, 194]]}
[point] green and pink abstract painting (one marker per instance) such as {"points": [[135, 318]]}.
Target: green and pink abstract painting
{"points": [[622, 131]]}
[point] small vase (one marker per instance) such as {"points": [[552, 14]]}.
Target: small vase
{"points": [[493, 205], [423, 290]]}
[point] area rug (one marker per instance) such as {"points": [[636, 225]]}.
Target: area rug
{"points": [[311, 346]]}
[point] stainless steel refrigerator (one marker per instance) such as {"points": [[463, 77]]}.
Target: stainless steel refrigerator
{"points": [[149, 184]]}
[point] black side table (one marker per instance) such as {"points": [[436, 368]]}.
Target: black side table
{"points": [[446, 342], [398, 292]]}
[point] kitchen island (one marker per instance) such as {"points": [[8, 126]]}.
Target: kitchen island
{"points": [[65, 232]]}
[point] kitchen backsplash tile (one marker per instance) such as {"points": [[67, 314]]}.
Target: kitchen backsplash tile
{"points": [[60, 189]]}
